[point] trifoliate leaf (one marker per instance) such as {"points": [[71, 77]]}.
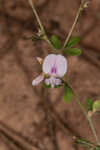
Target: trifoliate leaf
{"points": [[72, 42], [73, 51], [55, 42]]}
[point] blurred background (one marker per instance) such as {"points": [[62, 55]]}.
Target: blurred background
{"points": [[25, 121]]}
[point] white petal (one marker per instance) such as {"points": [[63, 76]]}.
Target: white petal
{"points": [[37, 80], [48, 63], [47, 81], [58, 81], [61, 65]]}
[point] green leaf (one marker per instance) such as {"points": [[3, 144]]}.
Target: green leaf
{"points": [[68, 93], [73, 51], [55, 42], [96, 106], [72, 42], [89, 104]]}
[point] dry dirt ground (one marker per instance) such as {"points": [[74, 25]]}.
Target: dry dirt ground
{"points": [[34, 118]]}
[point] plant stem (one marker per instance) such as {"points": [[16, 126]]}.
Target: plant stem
{"points": [[84, 111], [45, 37], [36, 15], [74, 24], [88, 118]]}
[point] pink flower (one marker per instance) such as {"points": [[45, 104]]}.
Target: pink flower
{"points": [[55, 66]]}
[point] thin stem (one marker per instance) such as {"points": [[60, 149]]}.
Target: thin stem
{"points": [[48, 41], [45, 37], [85, 113], [36, 15], [93, 129], [88, 118], [74, 24]]}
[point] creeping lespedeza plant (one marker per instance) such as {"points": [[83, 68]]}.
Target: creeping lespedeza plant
{"points": [[54, 67]]}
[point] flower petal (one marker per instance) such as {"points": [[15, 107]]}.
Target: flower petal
{"points": [[48, 63], [53, 81], [37, 80], [61, 65], [58, 81], [47, 81]]}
